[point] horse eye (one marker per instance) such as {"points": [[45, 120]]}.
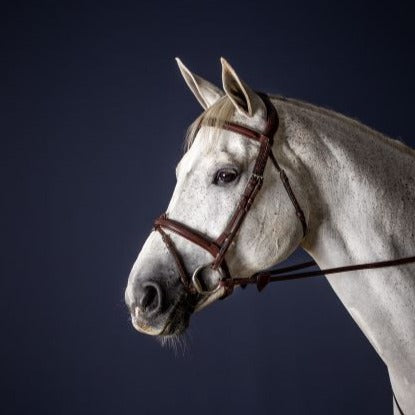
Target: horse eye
{"points": [[225, 176]]}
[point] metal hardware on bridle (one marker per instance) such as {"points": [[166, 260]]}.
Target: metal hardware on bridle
{"points": [[218, 248], [198, 285]]}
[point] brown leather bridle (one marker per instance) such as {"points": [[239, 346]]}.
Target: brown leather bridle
{"points": [[218, 248]]}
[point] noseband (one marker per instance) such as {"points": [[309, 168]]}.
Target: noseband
{"points": [[217, 248]]}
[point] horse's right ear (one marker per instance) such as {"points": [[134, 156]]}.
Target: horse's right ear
{"points": [[205, 92]]}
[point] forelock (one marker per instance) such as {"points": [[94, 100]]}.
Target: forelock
{"points": [[215, 116]]}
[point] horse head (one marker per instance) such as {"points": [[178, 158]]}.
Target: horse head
{"points": [[211, 191]]}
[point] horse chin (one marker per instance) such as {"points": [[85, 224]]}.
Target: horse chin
{"points": [[178, 320], [175, 328]]}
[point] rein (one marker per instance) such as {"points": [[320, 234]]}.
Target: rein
{"points": [[218, 248], [262, 278]]}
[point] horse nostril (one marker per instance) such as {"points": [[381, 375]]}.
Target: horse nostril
{"points": [[149, 299], [148, 296]]}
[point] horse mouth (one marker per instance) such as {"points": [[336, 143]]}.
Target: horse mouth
{"points": [[144, 328]]}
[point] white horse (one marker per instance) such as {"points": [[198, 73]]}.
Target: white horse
{"points": [[355, 186]]}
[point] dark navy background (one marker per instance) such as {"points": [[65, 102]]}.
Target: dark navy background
{"points": [[93, 113]]}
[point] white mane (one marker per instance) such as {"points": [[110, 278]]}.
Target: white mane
{"points": [[353, 122]]}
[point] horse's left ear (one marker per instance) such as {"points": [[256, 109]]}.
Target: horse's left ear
{"points": [[242, 96], [205, 92]]}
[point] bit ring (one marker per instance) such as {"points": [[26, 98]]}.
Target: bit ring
{"points": [[197, 284]]}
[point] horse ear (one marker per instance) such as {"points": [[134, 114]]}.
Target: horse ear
{"points": [[205, 92], [242, 96]]}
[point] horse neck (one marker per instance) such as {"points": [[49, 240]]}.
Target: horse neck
{"points": [[359, 185], [358, 188]]}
